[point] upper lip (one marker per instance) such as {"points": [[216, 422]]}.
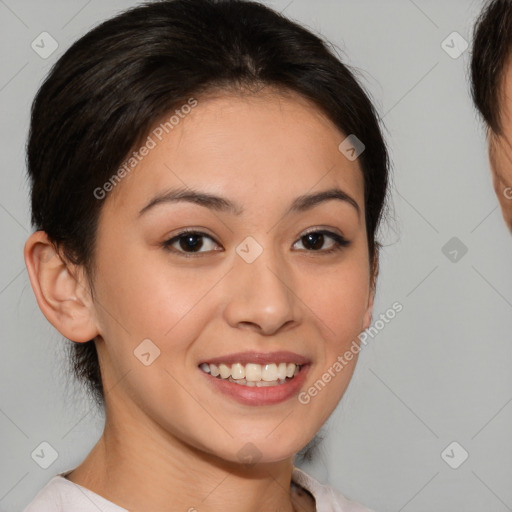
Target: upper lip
{"points": [[259, 358]]}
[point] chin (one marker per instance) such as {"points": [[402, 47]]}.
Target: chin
{"points": [[249, 450]]}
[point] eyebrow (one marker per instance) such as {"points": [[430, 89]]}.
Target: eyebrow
{"points": [[221, 204]]}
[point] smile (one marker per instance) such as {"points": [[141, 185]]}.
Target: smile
{"points": [[253, 374]]}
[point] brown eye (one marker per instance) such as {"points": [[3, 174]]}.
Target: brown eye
{"points": [[190, 242], [314, 241]]}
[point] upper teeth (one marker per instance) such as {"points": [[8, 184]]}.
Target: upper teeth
{"points": [[252, 372]]}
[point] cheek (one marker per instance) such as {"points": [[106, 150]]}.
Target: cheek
{"points": [[340, 300], [148, 296], [339, 304]]}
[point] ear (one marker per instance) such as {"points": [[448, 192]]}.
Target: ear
{"points": [[374, 272], [61, 289]]}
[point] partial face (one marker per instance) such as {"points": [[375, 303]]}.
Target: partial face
{"points": [[235, 281], [500, 151]]}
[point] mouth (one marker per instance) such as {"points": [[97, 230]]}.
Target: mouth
{"points": [[257, 378], [253, 374]]}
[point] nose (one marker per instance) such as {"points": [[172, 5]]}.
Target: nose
{"points": [[261, 296]]}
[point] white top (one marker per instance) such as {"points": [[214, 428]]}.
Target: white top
{"points": [[62, 495]]}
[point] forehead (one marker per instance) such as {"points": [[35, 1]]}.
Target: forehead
{"points": [[256, 146]]}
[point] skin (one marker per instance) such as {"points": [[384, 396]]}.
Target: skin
{"points": [[166, 431], [500, 150]]}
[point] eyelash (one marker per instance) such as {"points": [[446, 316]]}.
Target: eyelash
{"points": [[339, 242]]}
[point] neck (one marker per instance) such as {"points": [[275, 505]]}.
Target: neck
{"points": [[144, 468]]}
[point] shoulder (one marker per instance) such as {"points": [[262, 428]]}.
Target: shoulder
{"points": [[48, 499], [327, 499], [62, 495]]}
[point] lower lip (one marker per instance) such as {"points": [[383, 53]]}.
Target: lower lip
{"points": [[268, 395]]}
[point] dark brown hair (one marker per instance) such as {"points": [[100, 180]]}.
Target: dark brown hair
{"points": [[110, 87], [492, 42]]}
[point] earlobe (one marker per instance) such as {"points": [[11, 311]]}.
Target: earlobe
{"points": [[61, 291]]}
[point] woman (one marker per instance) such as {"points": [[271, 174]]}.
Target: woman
{"points": [[207, 183]]}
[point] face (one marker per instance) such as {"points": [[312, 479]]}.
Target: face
{"points": [[259, 273], [500, 151]]}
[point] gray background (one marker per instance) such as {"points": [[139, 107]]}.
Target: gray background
{"points": [[439, 372]]}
